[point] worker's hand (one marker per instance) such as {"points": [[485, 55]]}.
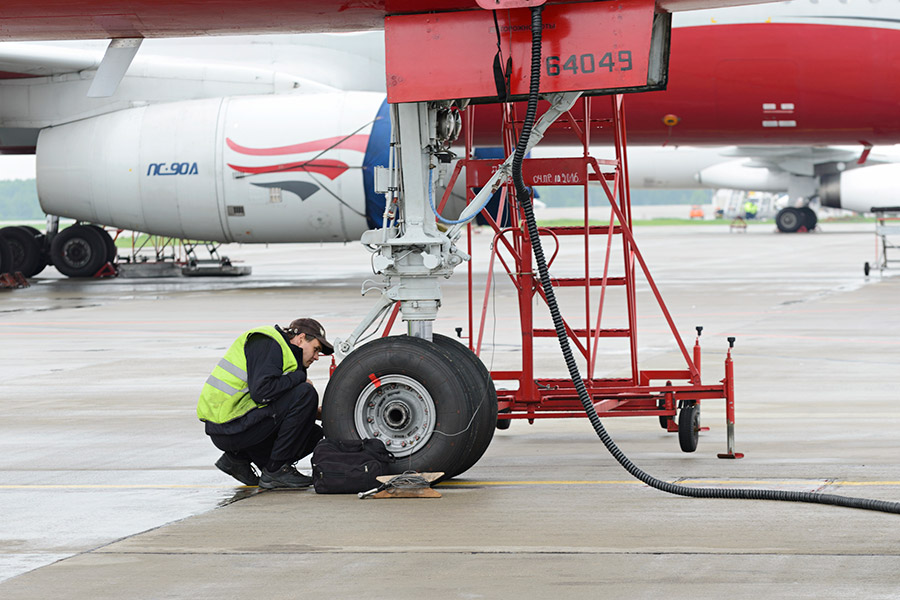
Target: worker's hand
{"points": [[319, 414]]}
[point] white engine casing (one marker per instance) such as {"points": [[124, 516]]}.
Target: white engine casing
{"points": [[736, 175], [861, 190], [186, 169]]}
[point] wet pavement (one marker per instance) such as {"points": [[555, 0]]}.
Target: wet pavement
{"points": [[108, 489]]}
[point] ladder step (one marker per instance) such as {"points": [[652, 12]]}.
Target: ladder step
{"points": [[579, 281], [604, 333], [579, 230]]}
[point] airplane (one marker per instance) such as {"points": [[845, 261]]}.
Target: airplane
{"points": [[235, 164], [274, 139]]}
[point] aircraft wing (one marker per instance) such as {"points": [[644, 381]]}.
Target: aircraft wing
{"points": [[806, 161], [24, 60]]}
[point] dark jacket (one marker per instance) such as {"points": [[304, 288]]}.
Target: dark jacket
{"points": [[265, 380]]}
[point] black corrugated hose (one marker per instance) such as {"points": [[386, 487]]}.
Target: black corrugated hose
{"points": [[524, 198]]}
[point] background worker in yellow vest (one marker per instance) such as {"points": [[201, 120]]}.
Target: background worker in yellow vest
{"points": [[258, 406], [750, 209]]}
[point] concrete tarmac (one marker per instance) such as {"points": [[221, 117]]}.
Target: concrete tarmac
{"points": [[108, 489]]}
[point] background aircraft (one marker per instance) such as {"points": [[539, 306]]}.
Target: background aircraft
{"points": [[273, 139]]}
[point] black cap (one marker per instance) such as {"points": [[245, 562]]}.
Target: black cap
{"points": [[311, 328]]}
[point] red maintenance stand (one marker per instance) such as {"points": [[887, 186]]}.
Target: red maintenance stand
{"points": [[672, 395], [599, 49]]}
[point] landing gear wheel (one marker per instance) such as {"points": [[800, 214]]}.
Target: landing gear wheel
{"points": [[689, 427], [111, 251], [810, 219], [25, 251], [78, 251], [482, 393], [5, 256], [410, 394], [789, 220], [866, 269]]}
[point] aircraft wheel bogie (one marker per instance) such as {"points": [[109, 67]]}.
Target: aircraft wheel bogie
{"points": [[78, 251], [25, 250]]}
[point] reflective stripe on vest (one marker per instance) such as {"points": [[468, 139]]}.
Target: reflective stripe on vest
{"points": [[225, 394]]}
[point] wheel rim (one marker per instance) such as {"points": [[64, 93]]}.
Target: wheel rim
{"points": [[789, 220], [77, 252], [397, 410]]}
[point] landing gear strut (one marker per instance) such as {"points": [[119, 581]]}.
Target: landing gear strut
{"points": [[429, 398]]}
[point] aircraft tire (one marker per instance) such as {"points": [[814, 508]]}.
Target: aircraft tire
{"points": [[40, 239], [78, 251], [689, 427], [483, 396], [810, 219], [396, 389], [789, 220], [25, 251], [111, 251], [5, 256]]}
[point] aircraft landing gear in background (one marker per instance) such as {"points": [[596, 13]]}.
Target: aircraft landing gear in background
{"points": [[810, 220], [79, 250], [791, 220], [25, 247]]}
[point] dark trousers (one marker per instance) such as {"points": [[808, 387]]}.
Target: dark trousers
{"points": [[287, 433]]}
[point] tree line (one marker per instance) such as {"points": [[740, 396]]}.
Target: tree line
{"points": [[19, 200]]}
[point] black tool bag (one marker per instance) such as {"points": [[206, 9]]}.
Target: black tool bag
{"points": [[348, 466]]}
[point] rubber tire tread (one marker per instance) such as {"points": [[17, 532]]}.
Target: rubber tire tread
{"points": [[810, 218], [25, 251], [93, 239], [428, 364], [688, 435], [5, 256], [483, 398], [112, 252]]}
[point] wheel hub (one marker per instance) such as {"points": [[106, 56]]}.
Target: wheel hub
{"points": [[77, 252], [399, 411]]}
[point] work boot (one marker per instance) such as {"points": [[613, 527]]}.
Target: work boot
{"points": [[238, 468], [285, 477]]}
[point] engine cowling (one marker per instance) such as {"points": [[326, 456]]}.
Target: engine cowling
{"points": [[736, 175], [862, 190], [255, 169]]}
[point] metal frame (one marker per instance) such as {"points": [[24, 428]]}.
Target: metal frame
{"points": [[644, 392]]}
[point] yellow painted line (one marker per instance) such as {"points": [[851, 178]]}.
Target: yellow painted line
{"points": [[119, 487], [162, 486]]}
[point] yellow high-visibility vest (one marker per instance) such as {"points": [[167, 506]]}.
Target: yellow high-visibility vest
{"points": [[225, 394]]}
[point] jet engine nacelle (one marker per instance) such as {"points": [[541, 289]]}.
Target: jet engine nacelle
{"points": [[255, 169], [863, 189], [736, 175]]}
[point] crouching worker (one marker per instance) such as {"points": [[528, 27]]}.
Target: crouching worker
{"points": [[259, 408]]}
